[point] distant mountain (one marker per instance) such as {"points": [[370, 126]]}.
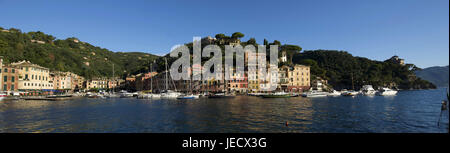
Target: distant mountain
{"points": [[69, 54], [438, 75]]}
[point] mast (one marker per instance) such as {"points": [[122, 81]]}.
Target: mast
{"points": [[353, 85], [113, 79], [167, 83], [151, 78], [190, 81]]}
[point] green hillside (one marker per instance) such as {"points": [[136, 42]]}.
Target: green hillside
{"points": [[69, 54], [338, 67]]}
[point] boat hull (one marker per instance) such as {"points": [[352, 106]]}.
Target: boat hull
{"points": [[276, 96]]}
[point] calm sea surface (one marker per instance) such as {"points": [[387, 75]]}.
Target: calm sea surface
{"points": [[409, 111]]}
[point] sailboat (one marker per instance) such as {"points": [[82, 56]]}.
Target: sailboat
{"points": [[112, 94], [169, 93], [150, 94], [190, 95]]}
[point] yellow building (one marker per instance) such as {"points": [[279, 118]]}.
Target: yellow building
{"points": [[299, 78], [97, 83], [33, 76]]}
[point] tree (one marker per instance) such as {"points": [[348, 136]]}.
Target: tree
{"points": [[237, 35], [266, 42], [251, 41], [220, 36], [276, 42], [291, 50]]}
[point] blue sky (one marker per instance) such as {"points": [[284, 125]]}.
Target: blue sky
{"points": [[416, 30]]}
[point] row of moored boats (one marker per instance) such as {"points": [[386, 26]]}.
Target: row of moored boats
{"points": [[367, 90]]}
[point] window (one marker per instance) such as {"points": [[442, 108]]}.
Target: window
{"points": [[12, 79], [5, 78], [5, 70], [5, 87], [26, 76], [26, 69], [13, 70], [12, 87]]}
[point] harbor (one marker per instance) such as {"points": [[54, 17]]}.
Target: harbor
{"points": [[414, 111]]}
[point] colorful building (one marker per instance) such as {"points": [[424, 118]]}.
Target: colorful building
{"points": [[299, 78], [33, 79]]}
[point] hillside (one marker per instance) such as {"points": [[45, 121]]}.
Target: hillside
{"points": [[338, 67], [69, 54], [437, 75]]}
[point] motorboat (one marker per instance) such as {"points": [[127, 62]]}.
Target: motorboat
{"points": [[144, 96], [368, 90], [3, 96], [334, 93], [277, 95], [315, 93], [125, 94], [221, 95], [191, 96], [387, 92], [350, 93], [154, 95]]}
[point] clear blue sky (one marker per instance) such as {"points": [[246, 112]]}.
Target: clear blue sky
{"points": [[417, 30]]}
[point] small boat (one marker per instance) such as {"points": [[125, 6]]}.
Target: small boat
{"points": [[368, 90], [334, 93], [125, 94], [277, 95], [186, 97], [156, 95], [387, 92], [111, 95], [170, 94], [3, 96], [295, 95], [257, 94], [221, 95], [92, 96], [315, 93], [350, 93]]}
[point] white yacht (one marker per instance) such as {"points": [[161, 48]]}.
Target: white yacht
{"points": [[315, 93], [387, 92], [368, 90]]}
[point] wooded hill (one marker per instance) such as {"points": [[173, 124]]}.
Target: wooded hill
{"points": [[69, 54]]}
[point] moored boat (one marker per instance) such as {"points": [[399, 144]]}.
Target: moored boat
{"points": [[334, 93], [368, 90], [170, 94], [387, 92], [350, 93], [191, 96], [221, 95], [277, 95], [3, 96], [315, 93]]}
